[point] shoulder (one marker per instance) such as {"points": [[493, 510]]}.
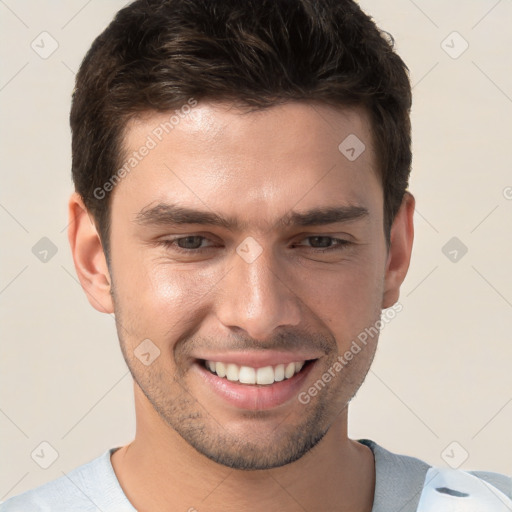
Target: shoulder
{"points": [[88, 488], [484, 491], [398, 479], [498, 480], [401, 480]]}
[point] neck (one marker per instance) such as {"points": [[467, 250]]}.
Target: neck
{"points": [[159, 470]]}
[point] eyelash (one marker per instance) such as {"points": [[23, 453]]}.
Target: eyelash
{"points": [[171, 244]]}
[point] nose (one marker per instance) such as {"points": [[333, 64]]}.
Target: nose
{"points": [[257, 296]]}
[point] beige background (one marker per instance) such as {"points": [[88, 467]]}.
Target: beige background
{"points": [[443, 368]]}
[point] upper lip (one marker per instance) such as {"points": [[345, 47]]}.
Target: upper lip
{"points": [[259, 359]]}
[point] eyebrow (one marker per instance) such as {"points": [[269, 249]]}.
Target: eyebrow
{"points": [[172, 214]]}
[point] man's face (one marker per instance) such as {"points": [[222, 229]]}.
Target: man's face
{"points": [[266, 287]]}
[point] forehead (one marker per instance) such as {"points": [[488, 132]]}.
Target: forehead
{"points": [[261, 163]]}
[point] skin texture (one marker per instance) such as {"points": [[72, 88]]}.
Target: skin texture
{"points": [[192, 448]]}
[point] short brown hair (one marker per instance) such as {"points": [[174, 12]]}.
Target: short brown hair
{"points": [[157, 54]]}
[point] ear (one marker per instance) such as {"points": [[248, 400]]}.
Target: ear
{"points": [[399, 255], [90, 262]]}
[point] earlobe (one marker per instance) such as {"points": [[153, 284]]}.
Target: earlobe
{"points": [[399, 255], [88, 256]]}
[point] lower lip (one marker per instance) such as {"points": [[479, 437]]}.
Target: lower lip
{"points": [[255, 397]]}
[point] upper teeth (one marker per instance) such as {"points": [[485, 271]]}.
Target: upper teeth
{"points": [[248, 375]]}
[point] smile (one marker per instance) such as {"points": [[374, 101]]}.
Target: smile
{"points": [[265, 375], [254, 380]]}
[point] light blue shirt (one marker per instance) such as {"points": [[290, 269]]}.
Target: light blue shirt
{"points": [[399, 482]]}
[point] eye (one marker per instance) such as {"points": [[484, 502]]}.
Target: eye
{"points": [[190, 243], [196, 244], [323, 243]]}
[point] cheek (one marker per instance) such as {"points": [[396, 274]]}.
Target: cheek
{"points": [[347, 300], [166, 289], [159, 297]]}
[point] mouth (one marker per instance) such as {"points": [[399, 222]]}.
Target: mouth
{"points": [[262, 376], [259, 387]]}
